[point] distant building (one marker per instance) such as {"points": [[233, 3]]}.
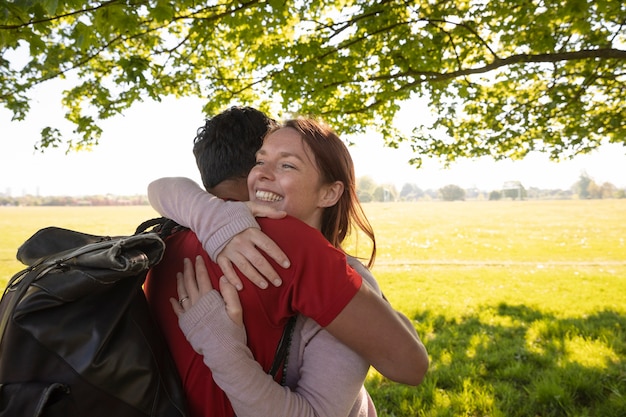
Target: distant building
{"points": [[514, 190]]}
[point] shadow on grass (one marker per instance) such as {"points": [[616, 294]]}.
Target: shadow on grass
{"points": [[512, 360]]}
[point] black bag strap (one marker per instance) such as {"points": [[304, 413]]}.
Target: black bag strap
{"points": [[160, 225], [282, 349], [28, 276]]}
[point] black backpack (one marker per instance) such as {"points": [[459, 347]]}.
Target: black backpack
{"points": [[76, 334]]}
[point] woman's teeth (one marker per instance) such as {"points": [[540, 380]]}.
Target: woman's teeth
{"points": [[267, 196]]}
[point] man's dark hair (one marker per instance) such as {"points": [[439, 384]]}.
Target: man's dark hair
{"points": [[226, 145]]}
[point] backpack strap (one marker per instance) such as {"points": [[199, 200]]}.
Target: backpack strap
{"points": [[160, 225], [280, 358], [25, 278]]}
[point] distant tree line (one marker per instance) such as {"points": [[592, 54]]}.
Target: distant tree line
{"points": [[94, 200], [585, 188], [369, 190]]}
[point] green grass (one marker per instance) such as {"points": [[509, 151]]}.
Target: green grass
{"points": [[521, 305], [512, 342]]}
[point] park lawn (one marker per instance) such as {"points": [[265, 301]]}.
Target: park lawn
{"points": [[501, 231], [511, 340], [521, 305]]}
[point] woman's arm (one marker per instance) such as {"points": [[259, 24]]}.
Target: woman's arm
{"points": [[393, 348], [328, 381], [227, 229], [214, 220], [371, 281]]}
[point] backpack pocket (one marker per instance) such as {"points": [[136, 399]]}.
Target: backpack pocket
{"points": [[34, 399]]}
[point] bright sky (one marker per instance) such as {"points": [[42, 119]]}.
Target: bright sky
{"points": [[154, 139]]}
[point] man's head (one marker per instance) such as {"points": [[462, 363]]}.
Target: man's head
{"points": [[225, 146]]}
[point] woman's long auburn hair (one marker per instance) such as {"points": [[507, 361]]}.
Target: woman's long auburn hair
{"points": [[334, 163]]}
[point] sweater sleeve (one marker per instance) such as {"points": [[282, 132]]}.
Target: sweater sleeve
{"points": [[328, 386], [330, 383], [213, 220], [327, 376], [327, 373], [251, 391]]}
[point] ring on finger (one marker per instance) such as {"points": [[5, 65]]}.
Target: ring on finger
{"points": [[182, 300]]}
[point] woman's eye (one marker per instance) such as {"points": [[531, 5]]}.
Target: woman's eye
{"points": [[258, 163], [288, 166]]}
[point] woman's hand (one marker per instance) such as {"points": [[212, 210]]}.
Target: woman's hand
{"points": [[193, 285], [261, 210], [244, 252]]}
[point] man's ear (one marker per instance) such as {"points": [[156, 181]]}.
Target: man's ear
{"points": [[331, 193]]}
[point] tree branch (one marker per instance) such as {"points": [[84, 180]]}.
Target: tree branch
{"points": [[428, 76], [61, 16]]}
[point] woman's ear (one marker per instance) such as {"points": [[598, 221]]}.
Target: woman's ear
{"points": [[331, 193]]}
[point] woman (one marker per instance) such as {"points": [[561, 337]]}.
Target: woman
{"points": [[304, 169]]}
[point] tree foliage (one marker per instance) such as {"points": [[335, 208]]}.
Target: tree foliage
{"points": [[385, 192], [452, 192], [410, 192], [501, 78], [587, 188]]}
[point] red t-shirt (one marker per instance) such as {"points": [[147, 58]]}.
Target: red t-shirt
{"points": [[319, 284]]}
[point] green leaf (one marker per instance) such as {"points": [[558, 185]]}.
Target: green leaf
{"points": [[501, 78]]}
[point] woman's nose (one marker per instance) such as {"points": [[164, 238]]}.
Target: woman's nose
{"points": [[264, 172]]}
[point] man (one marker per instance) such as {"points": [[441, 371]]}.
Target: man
{"points": [[224, 149], [225, 152]]}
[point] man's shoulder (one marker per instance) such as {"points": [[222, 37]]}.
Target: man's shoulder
{"points": [[290, 229], [183, 237], [182, 244]]}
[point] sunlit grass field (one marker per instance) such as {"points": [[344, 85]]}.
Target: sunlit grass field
{"points": [[521, 305]]}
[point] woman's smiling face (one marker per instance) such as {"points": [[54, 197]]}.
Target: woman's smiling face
{"points": [[286, 177]]}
